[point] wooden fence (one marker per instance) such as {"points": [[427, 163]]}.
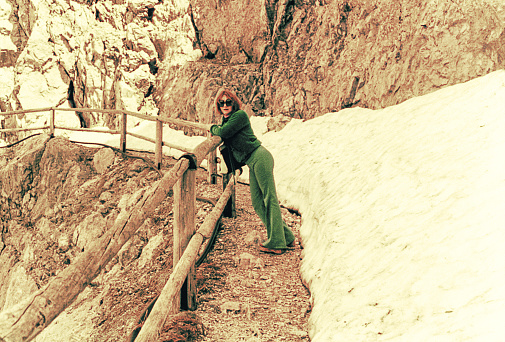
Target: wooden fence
{"points": [[25, 321], [123, 114]]}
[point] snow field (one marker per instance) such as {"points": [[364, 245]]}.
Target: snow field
{"points": [[402, 215]]}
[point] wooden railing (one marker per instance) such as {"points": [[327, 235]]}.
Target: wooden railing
{"points": [[123, 114], [24, 322]]}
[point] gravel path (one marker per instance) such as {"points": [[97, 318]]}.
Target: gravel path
{"points": [[246, 295]]}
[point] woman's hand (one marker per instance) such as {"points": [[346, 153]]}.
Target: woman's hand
{"points": [[207, 126]]}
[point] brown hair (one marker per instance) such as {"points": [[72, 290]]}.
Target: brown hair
{"points": [[237, 104]]}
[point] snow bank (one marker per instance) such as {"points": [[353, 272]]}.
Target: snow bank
{"points": [[402, 215]]}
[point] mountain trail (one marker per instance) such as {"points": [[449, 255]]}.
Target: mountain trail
{"points": [[247, 295]]}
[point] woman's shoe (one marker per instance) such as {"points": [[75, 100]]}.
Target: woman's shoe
{"points": [[290, 245], [270, 250]]}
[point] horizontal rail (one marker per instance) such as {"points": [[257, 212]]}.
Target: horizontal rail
{"points": [[177, 147], [6, 130], [122, 132], [141, 116], [184, 123], [108, 111], [24, 111], [110, 131], [111, 111], [88, 110], [166, 144], [138, 136]]}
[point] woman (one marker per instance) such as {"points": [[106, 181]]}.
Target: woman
{"points": [[238, 136]]}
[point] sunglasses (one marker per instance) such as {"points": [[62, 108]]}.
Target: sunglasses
{"points": [[226, 103]]}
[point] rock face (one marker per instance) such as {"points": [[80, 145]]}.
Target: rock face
{"points": [[97, 54], [306, 58], [235, 31], [296, 58], [34, 178], [54, 203], [188, 91], [57, 198]]}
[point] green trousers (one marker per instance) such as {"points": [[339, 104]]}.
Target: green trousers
{"points": [[264, 199]]}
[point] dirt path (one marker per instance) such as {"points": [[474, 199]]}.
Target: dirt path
{"points": [[245, 295]]}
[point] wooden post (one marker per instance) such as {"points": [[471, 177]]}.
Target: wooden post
{"points": [[122, 141], [229, 210], [159, 144], [164, 305], [184, 228], [51, 122], [212, 165]]}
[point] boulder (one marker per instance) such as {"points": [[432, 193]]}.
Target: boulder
{"points": [[103, 159], [89, 230], [62, 168]]}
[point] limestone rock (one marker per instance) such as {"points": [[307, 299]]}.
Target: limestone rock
{"points": [[21, 168], [149, 249], [103, 159], [278, 122], [247, 260], [131, 251], [85, 54], [243, 30], [19, 287], [89, 230], [253, 237], [188, 91], [298, 59], [59, 173], [105, 197], [324, 57], [8, 259], [39, 244], [231, 307], [64, 243]]}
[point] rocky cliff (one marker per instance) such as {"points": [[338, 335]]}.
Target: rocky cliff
{"points": [[306, 58], [98, 54], [298, 58]]}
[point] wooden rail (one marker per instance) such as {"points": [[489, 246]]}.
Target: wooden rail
{"points": [[26, 320], [166, 304], [158, 141]]}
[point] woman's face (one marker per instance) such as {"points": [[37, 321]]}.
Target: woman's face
{"points": [[225, 105]]}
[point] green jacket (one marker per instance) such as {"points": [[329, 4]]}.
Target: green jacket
{"points": [[237, 134]]}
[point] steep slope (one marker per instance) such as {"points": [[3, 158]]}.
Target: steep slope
{"points": [[296, 58], [58, 198]]}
